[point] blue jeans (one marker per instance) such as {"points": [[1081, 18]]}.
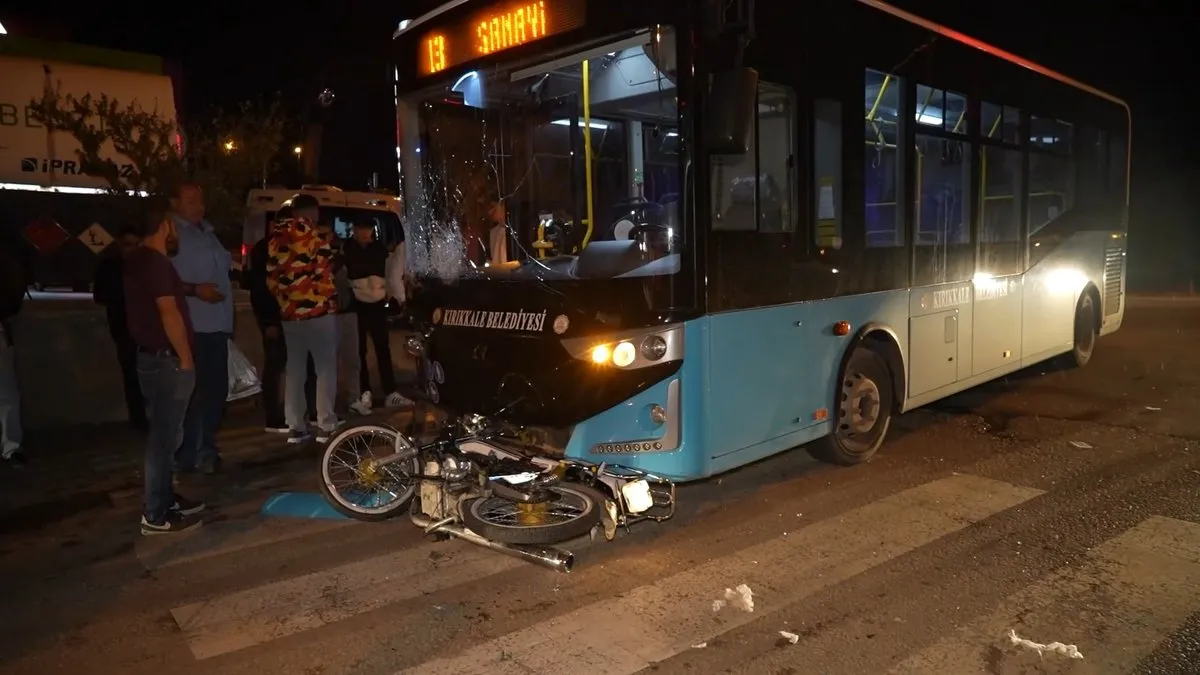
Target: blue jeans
{"points": [[204, 415], [167, 390]]}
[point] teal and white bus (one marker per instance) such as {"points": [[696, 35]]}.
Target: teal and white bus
{"points": [[682, 236]]}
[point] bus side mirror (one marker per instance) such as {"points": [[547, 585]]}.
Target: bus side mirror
{"points": [[733, 95]]}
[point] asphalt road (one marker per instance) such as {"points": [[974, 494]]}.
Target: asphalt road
{"points": [[1060, 506]]}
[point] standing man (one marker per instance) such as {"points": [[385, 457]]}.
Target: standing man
{"points": [[300, 276], [14, 282], [366, 267], [161, 327], [203, 264], [108, 290], [270, 326]]}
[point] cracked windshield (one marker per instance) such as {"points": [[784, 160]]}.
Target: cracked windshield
{"points": [[564, 170]]}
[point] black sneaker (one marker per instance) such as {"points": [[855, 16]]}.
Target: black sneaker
{"points": [[173, 522], [297, 436], [16, 459], [187, 507]]}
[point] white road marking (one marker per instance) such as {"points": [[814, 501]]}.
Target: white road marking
{"points": [[227, 537], [658, 620], [276, 610], [1132, 592]]}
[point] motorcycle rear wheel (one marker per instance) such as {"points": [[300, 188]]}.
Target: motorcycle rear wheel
{"points": [[585, 506], [396, 482]]}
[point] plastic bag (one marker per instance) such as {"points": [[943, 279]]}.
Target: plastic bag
{"points": [[243, 377]]}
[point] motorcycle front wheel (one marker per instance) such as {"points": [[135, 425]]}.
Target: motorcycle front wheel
{"points": [[572, 511], [358, 490]]}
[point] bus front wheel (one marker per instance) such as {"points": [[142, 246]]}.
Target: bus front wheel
{"points": [[865, 401]]}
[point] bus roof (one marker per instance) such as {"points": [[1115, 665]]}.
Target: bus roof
{"points": [[993, 50]]}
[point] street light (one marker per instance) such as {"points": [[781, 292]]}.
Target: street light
{"points": [[230, 145], [298, 150]]}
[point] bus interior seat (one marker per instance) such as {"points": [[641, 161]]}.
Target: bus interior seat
{"points": [[608, 259]]}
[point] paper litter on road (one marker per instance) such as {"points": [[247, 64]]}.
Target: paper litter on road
{"points": [[700, 645], [1070, 651], [1152, 408], [1081, 445], [741, 598], [790, 637]]}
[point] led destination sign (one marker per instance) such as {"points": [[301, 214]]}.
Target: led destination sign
{"points": [[498, 27]]}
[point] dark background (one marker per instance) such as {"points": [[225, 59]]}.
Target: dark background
{"points": [[233, 51]]}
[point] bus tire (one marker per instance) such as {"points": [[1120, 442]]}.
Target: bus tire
{"points": [[865, 401], [1085, 332]]}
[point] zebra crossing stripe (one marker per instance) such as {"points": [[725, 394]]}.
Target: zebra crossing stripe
{"points": [[271, 611], [658, 620], [155, 554], [1132, 591]]}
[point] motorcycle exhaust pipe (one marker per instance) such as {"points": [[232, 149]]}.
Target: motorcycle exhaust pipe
{"points": [[553, 558]]}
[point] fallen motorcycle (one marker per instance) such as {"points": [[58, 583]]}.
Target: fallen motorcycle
{"points": [[481, 481]]}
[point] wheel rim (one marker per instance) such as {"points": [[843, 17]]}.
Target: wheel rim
{"points": [[564, 506], [355, 483], [862, 403]]}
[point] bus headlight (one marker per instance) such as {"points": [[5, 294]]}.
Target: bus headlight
{"points": [[623, 354], [601, 354], [654, 348]]}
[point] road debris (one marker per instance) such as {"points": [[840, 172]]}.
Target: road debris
{"points": [[1081, 445], [1152, 408], [790, 637], [741, 598], [1069, 651]]}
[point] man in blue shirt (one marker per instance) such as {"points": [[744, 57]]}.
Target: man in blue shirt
{"points": [[203, 265]]}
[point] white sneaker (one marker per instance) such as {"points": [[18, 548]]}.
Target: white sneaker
{"points": [[363, 405], [398, 400]]}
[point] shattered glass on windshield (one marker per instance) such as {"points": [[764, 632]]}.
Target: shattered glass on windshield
{"points": [[502, 157]]}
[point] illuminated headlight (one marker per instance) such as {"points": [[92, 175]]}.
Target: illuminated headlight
{"points": [[601, 354], [654, 348], [623, 354]]}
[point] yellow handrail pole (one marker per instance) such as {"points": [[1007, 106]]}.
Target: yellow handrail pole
{"points": [[875, 106], [587, 151]]}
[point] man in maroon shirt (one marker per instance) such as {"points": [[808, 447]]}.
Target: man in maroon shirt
{"points": [[161, 327]]}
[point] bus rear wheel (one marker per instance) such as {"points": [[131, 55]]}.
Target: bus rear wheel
{"points": [[865, 402], [1085, 332]]}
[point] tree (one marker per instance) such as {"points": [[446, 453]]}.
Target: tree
{"points": [[148, 140], [226, 153], [234, 149]]}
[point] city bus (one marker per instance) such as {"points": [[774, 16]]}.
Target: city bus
{"points": [[685, 236]]}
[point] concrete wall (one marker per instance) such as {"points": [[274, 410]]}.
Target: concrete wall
{"points": [[67, 365]]}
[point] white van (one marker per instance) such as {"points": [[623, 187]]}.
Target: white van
{"points": [[338, 208]]}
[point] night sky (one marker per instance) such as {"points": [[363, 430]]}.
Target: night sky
{"points": [[232, 51]]}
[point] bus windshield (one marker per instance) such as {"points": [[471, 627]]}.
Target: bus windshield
{"points": [[533, 173]]}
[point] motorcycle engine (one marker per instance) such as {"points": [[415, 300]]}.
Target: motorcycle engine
{"points": [[438, 497]]}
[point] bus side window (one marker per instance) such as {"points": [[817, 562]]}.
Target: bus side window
{"points": [[882, 167], [827, 173], [755, 191], [1051, 170]]}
